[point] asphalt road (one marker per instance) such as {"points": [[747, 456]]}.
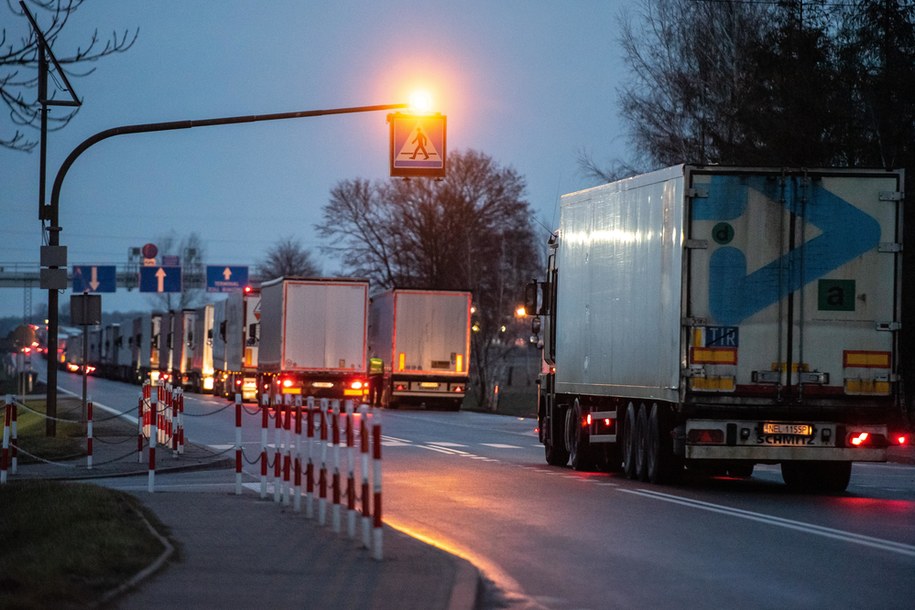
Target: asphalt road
{"points": [[547, 537]]}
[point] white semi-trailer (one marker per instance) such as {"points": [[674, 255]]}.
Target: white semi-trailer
{"points": [[200, 374], [236, 338], [423, 338], [313, 337], [722, 317]]}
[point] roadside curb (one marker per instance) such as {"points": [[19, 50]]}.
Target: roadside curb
{"points": [[146, 572]]}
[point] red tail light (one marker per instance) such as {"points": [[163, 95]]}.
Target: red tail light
{"points": [[707, 437], [858, 439], [287, 383], [357, 384], [901, 439]]}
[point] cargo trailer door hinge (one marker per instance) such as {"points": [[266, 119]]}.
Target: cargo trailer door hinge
{"points": [[890, 247], [891, 195], [889, 326], [693, 322]]}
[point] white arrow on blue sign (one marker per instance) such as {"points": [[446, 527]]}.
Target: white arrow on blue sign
{"points": [[95, 278], [226, 278], [160, 279]]}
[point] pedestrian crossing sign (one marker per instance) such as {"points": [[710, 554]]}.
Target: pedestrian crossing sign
{"points": [[417, 145]]}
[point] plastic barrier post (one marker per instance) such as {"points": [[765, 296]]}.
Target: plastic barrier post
{"points": [[322, 474], [376, 472], [141, 413], [14, 441], [287, 451], [335, 510], [173, 423], [89, 434], [364, 471], [350, 473], [297, 483], [4, 459], [181, 423], [153, 437], [238, 444], [309, 464], [277, 442], [265, 422]]}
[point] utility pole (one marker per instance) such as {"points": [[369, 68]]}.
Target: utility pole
{"points": [[54, 254]]}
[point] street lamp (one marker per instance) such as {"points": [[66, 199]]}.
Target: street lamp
{"points": [[53, 210]]}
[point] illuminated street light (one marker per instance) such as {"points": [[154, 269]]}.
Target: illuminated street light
{"points": [[421, 102]]}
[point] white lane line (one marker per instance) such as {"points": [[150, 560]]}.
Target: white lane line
{"points": [[446, 444], [387, 437], [500, 446], [437, 449], [111, 410], [809, 528], [449, 448]]}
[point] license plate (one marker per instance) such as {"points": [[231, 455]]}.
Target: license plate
{"points": [[783, 428]]}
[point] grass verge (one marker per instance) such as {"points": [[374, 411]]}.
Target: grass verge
{"points": [[67, 544], [31, 431]]}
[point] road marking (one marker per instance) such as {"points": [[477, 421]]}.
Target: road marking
{"points": [[801, 526], [111, 410], [500, 446], [448, 448], [438, 449], [446, 444]]}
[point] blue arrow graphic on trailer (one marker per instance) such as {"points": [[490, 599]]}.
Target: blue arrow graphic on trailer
{"points": [[847, 232]]}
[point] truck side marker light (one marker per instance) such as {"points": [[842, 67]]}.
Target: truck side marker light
{"points": [[587, 421]]}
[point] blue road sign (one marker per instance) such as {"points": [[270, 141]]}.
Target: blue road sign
{"points": [[96, 278], [226, 278], [160, 279]]}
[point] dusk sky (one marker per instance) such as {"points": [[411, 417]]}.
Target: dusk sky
{"points": [[529, 83]]}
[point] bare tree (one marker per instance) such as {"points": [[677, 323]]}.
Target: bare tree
{"points": [[472, 230], [19, 65], [287, 258]]}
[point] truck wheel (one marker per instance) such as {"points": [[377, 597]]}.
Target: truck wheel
{"points": [[662, 466], [577, 437], [641, 444], [817, 477], [627, 446], [555, 452]]}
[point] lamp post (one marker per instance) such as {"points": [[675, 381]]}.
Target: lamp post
{"points": [[53, 210]]}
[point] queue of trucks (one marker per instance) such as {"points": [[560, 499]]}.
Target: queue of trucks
{"points": [[712, 318], [294, 336]]}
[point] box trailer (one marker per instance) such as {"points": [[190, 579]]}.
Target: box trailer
{"points": [[423, 339], [201, 373], [313, 337], [236, 336], [720, 317]]}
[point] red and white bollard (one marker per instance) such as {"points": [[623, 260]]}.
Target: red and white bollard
{"points": [[153, 437], [277, 459], [238, 444], [335, 463], [173, 422], [181, 423], [141, 414], [322, 473], [309, 464], [297, 460], [14, 441], [376, 502], [350, 472], [265, 422], [89, 435], [364, 470], [286, 491], [4, 458]]}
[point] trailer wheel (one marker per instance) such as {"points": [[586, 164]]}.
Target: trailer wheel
{"points": [[628, 444], [578, 440], [817, 477], [555, 452], [641, 444], [661, 464]]}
